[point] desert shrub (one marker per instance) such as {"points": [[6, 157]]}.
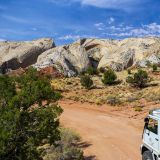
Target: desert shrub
{"points": [[82, 73], [58, 85], [91, 71], [25, 122], [102, 70], [67, 148], [139, 79], [129, 71], [86, 81], [113, 100], [75, 98], [99, 101], [132, 98], [138, 108], [109, 77], [69, 136], [155, 67]]}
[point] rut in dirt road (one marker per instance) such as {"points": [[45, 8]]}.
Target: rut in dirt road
{"points": [[109, 137]]}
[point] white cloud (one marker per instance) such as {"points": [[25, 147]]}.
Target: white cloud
{"points": [[1, 39], [99, 24], [69, 37], [34, 29], [75, 37], [139, 32], [62, 2], [109, 3], [14, 19], [127, 28], [118, 31], [100, 29], [115, 4], [115, 28], [118, 34], [111, 20], [152, 29]]}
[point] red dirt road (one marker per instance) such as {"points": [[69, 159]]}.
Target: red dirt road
{"points": [[109, 136]]}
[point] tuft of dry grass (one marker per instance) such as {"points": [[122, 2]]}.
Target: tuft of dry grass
{"points": [[113, 100], [138, 108]]}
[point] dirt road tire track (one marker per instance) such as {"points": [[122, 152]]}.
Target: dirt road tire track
{"points": [[111, 137]]}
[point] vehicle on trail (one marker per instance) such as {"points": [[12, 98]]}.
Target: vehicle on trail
{"points": [[150, 148]]}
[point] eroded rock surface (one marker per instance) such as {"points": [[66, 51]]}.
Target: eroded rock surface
{"points": [[122, 54], [69, 60], [100, 53], [15, 55], [75, 58]]}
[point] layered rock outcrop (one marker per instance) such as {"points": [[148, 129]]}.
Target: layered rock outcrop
{"points": [[100, 53], [69, 60], [122, 54], [14, 55], [75, 58]]}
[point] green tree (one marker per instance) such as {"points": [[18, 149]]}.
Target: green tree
{"points": [[86, 81], [140, 79], [27, 118], [7, 89], [109, 77]]}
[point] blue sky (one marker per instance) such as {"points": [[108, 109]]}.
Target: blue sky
{"points": [[69, 20]]}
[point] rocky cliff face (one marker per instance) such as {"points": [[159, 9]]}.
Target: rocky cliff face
{"points": [[76, 57], [14, 55], [117, 54], [123, 54], [69, 59]]}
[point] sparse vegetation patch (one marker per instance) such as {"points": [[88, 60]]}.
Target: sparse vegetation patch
{"points": [[86, 81], [139, 79], [109, 77], [66, 148], [113, 100], [92, 71]]}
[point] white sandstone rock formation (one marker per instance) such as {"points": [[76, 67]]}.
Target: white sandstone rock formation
{"points": [[77, 57], [70, 59], [14, 55]]}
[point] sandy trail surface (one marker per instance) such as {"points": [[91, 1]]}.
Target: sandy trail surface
{"points": [[106, 135]]}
